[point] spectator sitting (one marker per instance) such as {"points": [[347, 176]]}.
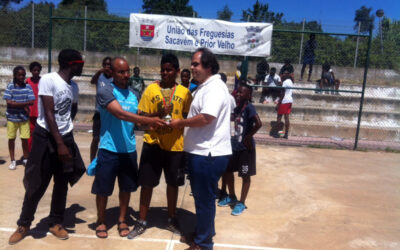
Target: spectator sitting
{"points": [[286, 67], [271, 80], [328, 80]]}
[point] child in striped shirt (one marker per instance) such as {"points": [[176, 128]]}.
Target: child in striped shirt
{"points": [[19, 96]]}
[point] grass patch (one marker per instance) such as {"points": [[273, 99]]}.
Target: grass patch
{"points": [[392, 150]]}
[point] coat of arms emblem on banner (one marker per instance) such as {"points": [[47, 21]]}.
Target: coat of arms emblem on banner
{"points": [[146, 32], [253, 36]]}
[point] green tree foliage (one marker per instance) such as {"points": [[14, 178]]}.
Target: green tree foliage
{"points": [[364, 16], [391, 46], [168, 7], [4, 3], [95, 5], [16, 27], [225, 14], [261, 13], [113, 37]]}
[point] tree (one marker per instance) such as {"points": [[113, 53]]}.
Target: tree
{"points": [[94, 5], [224, 14], [5, 3], [365, 18], [260, 13], [168, 7]]}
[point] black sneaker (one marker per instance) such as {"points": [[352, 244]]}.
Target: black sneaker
{"points": [[139, 229], [173, 226]]}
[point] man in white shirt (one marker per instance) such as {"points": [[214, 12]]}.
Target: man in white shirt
{"points": [[271, 80], [207, 142], [284, 106]]}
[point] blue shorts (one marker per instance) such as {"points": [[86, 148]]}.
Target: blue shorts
{"points": [[308, 60], [109, 166]]}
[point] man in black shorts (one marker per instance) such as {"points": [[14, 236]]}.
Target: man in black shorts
{"points": [[162, 148]]}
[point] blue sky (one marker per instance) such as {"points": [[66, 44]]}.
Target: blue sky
{"points": [[335, 16]]}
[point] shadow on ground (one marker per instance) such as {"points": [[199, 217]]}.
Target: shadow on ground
{"points": [[70, 220], [156, 217]]}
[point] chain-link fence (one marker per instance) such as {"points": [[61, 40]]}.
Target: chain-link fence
{"points": [[327, 116]]}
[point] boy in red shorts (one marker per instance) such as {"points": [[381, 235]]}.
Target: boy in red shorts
{"points": [[284, 106]]}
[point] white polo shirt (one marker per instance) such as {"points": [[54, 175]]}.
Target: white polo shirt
{"points": [[212, 98]]}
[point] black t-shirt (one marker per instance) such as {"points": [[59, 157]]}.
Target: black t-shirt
{"points": [[287, 67], [244, 122]]}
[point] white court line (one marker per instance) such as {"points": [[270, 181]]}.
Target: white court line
{"points": [[170, 243]]}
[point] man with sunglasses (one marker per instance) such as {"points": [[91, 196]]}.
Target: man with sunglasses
{"points": [[54, 152]]}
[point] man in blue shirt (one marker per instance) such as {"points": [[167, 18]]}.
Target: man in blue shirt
{"points": [[117, 150]]}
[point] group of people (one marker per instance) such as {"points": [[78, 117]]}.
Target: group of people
{"points": [[185, 131]]}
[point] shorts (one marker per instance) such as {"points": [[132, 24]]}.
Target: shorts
{"points": [[243, 162], [309, 60], [96, 124], [153, 160], [109, 166], [285, 109], [24, 129]]}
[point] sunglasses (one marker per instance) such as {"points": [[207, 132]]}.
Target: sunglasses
{"points": [[76, 62]]}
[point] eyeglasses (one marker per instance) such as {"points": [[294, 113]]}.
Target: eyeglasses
{"points": [[76, 62]]}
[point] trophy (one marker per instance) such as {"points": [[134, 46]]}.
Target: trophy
{"points": [[167, 118]]}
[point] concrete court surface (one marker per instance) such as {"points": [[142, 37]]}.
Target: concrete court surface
{"points": [[301, 198]]}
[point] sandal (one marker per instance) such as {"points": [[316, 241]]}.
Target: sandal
{"points": [[123, 229], [99, 231]]}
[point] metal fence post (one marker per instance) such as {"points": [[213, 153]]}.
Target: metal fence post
{"points": [[33, 25], [358, 39], [363, 88], [302, 38], [245, 63], [50, 36], [84, 31]]}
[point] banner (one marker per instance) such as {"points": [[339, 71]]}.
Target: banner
{"points": [[189, 34]]}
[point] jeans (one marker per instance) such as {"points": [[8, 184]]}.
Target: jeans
{"points": [[59, 194], [204, 173]]}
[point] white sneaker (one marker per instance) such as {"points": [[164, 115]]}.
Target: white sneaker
{"points": [[13, 165]]}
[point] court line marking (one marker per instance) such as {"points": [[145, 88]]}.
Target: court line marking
{"points": [[170, 243]]}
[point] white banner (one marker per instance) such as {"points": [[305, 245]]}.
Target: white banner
{"points": [[189, 34]]}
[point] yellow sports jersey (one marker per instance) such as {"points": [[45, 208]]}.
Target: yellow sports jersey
{"points": [[152, 101]]}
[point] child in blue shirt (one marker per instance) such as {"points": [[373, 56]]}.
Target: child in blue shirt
{"points": [[243, 160], [19, 96]]}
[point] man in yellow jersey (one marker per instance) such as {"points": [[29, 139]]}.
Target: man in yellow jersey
{"points": [[162, 148]]}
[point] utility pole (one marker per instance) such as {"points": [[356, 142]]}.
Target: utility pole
{"points": [[302, 39], [379, 14], [358, 39], [33, 25], [84, 31]]}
